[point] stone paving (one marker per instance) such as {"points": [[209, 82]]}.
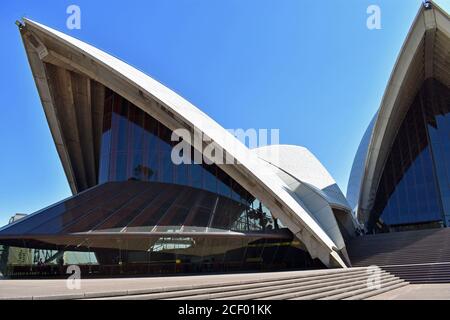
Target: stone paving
{"points": [[417, 292], [57, 288], [27, 289]]}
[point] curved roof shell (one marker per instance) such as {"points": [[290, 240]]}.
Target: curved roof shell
{"points": [[424, 55], [312, 186], [305, 167], [70, 75]]}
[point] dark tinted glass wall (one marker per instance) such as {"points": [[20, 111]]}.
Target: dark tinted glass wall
{"points": [[139, 227], [437, 116], [148, 215], [135, 146], [414, 188]]}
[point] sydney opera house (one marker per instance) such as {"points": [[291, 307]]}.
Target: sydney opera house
{"points": [[275, 208]]}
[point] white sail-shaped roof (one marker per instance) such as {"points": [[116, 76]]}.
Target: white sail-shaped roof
{"points": [[424, 55], [47, 47]]}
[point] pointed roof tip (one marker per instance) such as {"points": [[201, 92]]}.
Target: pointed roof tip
{"points": [[427, 4], [431, 4], [29, 22], [20, 24]]}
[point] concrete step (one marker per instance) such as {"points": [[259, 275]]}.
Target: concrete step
{"points": [[430, 281], [334, 284], [172, 292], [424, 255], [325, 290], [363, 290], [347, 291], [206, 293], [264, 289], [422, 273], [275, 290], [419, 265], [372, 293], [294, 292]]}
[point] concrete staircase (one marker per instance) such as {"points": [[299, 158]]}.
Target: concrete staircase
{"points": [[309, 285], [421, 273], [421, 256]]}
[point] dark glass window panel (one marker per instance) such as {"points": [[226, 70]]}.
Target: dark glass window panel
{"points": [[408, 190], [236, 190], [105, 157], [235, 255], [166, 166], [254, 252], [255, 219], [214, 251], [178, 212], [438, 125], [209, 179], [152, 214], [125, 215], [57, 217], [137, 130], [271, 247], [122, 127], [165, 134], [182, 174], [138, 171], [223, 214], [223, 183], [240, 221], [175, 216], [151, 170], [104, 209], [121, 166], [196, 176], [140, 148], [208, 200], [270, 222], [34, 221], [199, 217]]}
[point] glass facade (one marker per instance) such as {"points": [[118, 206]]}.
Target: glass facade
{"points": [[437, 117], [148, 215], [146, 207], [414, 187], [135, 146]]}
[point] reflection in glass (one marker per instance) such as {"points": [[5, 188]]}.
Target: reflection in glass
{"points": [[414, 187], [150, 216]]}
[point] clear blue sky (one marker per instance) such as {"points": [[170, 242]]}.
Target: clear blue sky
{"points": [[310, 68]]}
